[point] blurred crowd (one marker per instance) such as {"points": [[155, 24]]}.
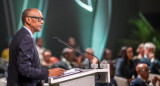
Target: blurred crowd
{"points": [[135, 68]]}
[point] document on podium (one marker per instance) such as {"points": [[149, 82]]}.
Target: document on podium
{"points": [[68, 72]]}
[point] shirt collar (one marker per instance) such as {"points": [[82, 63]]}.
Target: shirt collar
{"points": [[28, 30], [67, 62]]}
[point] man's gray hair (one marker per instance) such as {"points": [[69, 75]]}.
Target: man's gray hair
{"points": [[149, 45]]}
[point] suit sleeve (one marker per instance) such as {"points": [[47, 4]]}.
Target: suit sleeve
{"points": [[25, 56], [133, 83]]}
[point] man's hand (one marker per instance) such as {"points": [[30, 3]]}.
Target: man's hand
{"points": [[151, 56], [154, 80], [56, 72]]}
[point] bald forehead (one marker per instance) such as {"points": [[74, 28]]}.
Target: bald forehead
{"points": [[35, 12], [141, 66]]}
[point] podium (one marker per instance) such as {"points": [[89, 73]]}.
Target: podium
{"points": [[86, 77]]}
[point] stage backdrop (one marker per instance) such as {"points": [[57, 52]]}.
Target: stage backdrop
{"points": [[88, 21]]}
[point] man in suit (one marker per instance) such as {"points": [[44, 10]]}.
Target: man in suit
{"points": [[143, 75], [150, 59], [24, 64], [68, 60]]}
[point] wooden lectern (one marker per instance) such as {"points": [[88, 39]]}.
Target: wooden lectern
{"points": [[86, 77]]}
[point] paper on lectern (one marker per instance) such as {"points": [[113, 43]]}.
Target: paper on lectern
{"points": [[68, 72]]}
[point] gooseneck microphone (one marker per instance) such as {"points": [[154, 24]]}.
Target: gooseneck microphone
{"points": [[63, 42]]}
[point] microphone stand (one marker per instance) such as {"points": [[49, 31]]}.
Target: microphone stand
{"points": [[59, 40]]}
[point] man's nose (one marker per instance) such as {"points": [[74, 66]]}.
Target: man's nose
{"points": [[42, 21]]}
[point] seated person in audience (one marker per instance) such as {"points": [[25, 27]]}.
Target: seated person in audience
{"points": [[107, 55], [149, 58], [89, 57], [5, 53], [40, 48], [119, 60], [46, 62], [112, 74], [143, 75], [72, 42], [140, 51], [68, 60], [127, 68]]}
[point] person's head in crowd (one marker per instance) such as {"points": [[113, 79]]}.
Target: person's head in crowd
{"points": [[122, 52], [33, 19], [149, 49], [107, 54], [143, 70], [90, 53], [46, 56], [39, 42], [129, 53], [71, 41], [140, 49], [143, 73], [68, 54]]}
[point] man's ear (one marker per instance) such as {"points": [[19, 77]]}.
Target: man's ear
{"points": [[28, 20]]}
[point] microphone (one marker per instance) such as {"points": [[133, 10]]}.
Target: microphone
{"points": [[59, 40]]}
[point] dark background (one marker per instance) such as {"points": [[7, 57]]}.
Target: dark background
{"points": [[62, 21]]}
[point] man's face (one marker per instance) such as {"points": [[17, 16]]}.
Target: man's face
{"points": [[47, 56], [108, 54], [130, 53], [144, 72], [90, 56], [35, 21], [71, 42], [40, 42], [141, 50], [150, 53], [71, 55]]}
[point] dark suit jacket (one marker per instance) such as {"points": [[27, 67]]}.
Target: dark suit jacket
{"points": [[126, 70], [60, 64], [137, 82], [153, 66], [113, 83], [24, 65]]}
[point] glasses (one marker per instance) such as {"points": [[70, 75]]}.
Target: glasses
{"points": [[39, 18], [146, 70]]}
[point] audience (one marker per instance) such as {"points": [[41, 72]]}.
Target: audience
{"points": [[143, 75], [145, 62], [68, 60], [149, 58], [89, 57], [40, 48], [107, 55], [47, 57], [119, 60], [5, 53], [140, 51], [72, 42], [127, 68]]}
